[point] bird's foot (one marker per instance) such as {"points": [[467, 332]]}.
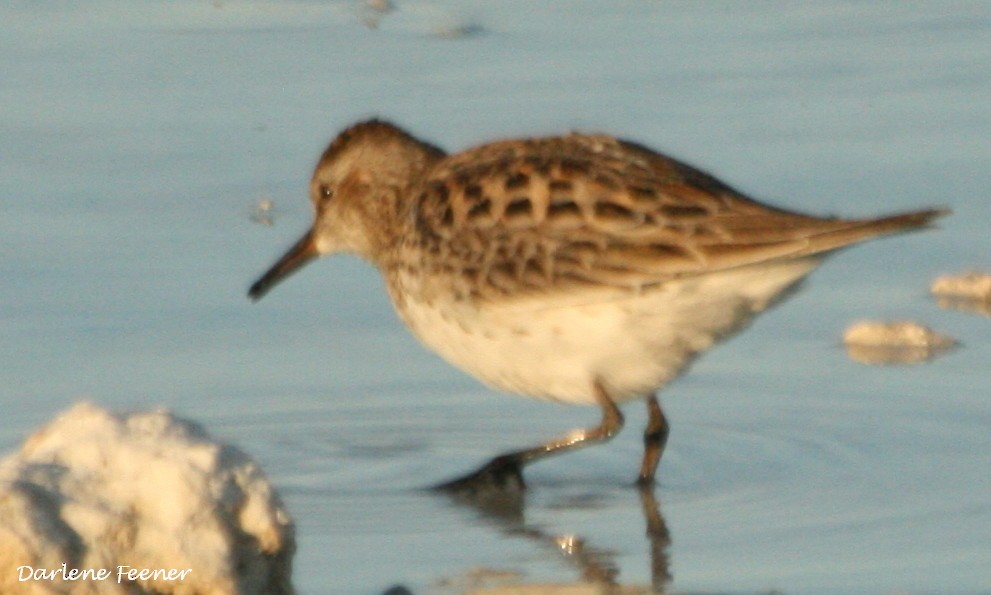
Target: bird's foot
{"points": [[497, 487], [502, 474]]}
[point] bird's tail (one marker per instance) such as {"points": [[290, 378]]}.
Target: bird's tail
{"points": [[853, 231]]}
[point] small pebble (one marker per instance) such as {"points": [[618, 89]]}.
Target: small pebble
{"points": [[899, 342], [973, 285], [264, 213], [371, 12], [967, 292]]}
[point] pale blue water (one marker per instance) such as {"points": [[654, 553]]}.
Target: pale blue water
{"points": [[138, 136]]}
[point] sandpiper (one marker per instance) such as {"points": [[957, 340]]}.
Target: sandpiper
{"points": [[580, 268]]}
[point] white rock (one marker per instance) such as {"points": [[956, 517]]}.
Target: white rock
{"points": [[974, 286], [899, 342], [109, 494], [969, 292], [904, 333]]}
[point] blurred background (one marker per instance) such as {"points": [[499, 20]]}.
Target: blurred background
{"points": [[155, 160]]}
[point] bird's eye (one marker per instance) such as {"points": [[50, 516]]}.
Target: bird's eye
{"points": [[326, 193]]}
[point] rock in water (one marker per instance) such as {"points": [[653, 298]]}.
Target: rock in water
{"points": [[138, 503]]}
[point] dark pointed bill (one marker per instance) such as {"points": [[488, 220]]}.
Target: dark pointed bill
{"points": [[301, 253]]}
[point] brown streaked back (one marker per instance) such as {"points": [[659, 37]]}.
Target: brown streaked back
{"points": [[536, 214]]}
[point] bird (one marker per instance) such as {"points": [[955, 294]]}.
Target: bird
{"points": [[580, 268]]}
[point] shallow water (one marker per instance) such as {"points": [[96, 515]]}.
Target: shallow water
{"points": [[138, 138]]}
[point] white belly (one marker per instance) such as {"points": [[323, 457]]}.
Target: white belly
{"points": [[633, 342]]}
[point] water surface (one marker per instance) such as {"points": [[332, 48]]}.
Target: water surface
{"points": [[138, 138]]}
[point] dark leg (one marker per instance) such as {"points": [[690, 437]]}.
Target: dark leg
{"points": [[654, 439], [502, 470]]}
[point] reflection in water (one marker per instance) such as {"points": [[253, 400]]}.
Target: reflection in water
{"points": [[966, 305], [502, 504], [660, 541], [879, 355]]}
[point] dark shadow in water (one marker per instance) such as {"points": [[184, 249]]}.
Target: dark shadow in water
{"points": [[500, 498]]}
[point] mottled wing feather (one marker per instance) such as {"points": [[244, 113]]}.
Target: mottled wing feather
{"points": [[545, 214]]}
